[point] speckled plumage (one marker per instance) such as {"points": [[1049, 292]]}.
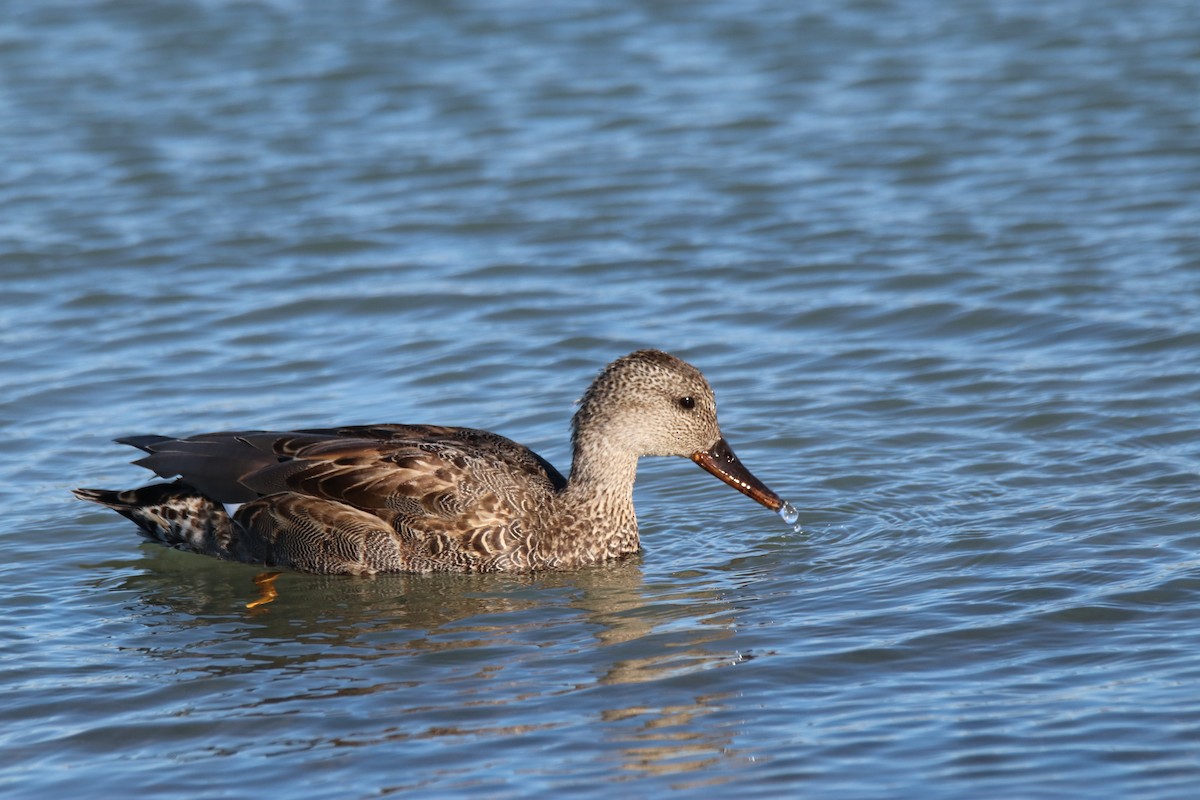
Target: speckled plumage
{"points": [[423, 498]]}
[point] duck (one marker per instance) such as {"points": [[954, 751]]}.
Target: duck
{"points": [[367, 499]]}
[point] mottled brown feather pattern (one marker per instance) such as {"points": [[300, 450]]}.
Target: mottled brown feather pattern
{"points": [[382, 498]]}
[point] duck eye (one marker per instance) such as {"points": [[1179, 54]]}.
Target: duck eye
{"points": [[687, 402]]}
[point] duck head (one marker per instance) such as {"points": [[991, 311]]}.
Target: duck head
{"points": [[654, 404]]}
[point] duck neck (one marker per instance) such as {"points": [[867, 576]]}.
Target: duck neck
{"points": [[602, 476], [597, 519]]}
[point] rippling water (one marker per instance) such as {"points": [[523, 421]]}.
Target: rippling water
{"points": [[939, 260]]}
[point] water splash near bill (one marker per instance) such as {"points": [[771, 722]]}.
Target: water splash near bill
{"points": [[791, 516]]}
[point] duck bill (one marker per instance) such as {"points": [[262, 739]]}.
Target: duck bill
{"points": [[720, 461]]}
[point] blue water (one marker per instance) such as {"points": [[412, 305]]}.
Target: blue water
{"points": [[940, 261]]}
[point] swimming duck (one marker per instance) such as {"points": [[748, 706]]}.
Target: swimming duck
{"points": [[425, 498]]}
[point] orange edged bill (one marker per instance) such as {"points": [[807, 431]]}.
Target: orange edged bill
{"points": [[720, 461]]}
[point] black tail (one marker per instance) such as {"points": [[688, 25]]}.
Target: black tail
{"points": [[172, 513]]}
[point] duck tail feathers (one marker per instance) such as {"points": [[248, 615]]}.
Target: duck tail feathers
{"points": [[172, 513]]}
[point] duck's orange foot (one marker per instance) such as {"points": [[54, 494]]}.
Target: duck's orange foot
{"points": [[266, 588]]}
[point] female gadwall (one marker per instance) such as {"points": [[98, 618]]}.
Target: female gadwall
{"points": [[422, 498]]}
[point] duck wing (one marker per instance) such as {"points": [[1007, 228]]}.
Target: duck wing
{"points": [[366, 498], [499, 449], [371, 467]]}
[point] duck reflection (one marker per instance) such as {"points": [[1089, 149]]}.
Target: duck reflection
{"points": [[425, 612], [673, 739], [430, 648]]}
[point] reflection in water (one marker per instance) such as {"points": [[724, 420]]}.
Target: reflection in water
{"points": [[462, 659], [672, 739]]}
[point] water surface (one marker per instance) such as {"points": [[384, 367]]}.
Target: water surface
{"points": [[940, 262]]}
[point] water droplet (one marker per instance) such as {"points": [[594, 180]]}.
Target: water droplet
{"points": [[790, 515]]}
